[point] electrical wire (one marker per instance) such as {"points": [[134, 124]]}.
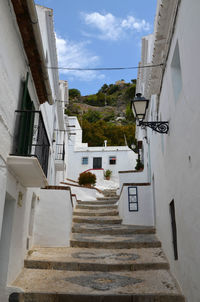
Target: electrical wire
{"points": [[105, 68]]}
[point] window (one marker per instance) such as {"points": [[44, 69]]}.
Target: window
{"points": [[174, 231], [176, 73], [84, 160], [132, 199], [112, 160]]}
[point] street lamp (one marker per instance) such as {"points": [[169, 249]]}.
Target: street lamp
{"points": [[139, 107]]}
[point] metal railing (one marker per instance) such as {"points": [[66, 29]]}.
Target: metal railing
{"points": [[30, 137]]}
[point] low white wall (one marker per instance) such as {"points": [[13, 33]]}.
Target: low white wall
{"points": [[84, 193], [132, 177], [53, 219], [145, 213]]}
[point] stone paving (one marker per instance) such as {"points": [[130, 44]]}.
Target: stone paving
{"points": [[106, 262]]}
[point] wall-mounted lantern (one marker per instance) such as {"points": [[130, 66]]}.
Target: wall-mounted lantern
{"points": [[139, 107]]}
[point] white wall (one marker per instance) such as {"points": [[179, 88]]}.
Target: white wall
{"points": [[53, 218], [145, 213], [3, 175], [13, 72], [16, 224], [175, 156]]}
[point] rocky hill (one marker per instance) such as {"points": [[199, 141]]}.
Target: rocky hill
{"points": [[107, 111], [112, 101]]}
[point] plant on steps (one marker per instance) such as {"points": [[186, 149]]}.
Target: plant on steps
{"points": [[107, 174], [87, 179]]}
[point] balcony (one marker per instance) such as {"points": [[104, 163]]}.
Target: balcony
{"points": [[29, 159]]}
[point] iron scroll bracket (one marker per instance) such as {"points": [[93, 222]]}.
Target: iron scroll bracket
{"points": [[160, 127]]}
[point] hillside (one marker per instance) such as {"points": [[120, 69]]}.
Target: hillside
{"points": [[105, 115]]}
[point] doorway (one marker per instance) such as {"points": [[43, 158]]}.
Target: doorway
{"points": [[6, 235], [97, 162], [31, 222]]}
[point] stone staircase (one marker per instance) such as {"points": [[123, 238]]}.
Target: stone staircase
{"points": [[106, 261]]}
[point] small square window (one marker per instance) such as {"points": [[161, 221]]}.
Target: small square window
{"points": [[84, 160], [112, 160]]}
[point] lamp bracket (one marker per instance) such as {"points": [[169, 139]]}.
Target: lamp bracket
{"points": [[160, 127]]}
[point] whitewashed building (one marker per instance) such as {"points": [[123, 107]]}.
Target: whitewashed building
{"points": [[31, 133], [173, 158], [82, 158]]}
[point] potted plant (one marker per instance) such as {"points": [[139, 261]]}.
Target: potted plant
{"points": [[107, 174], [139, 166]]}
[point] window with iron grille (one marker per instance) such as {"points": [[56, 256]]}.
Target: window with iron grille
{"points": [[112, 160], [133, 199], [84, 160]]}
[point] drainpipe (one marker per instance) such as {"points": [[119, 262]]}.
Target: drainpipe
{"points": [[38, 38]]}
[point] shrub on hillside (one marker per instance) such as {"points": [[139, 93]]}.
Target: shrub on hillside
{"points": [[87, 178]]}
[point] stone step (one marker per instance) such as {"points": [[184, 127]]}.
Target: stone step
{"points": [[97, 220], [115, 229], [37, 285], [108, 198], [97, 212], [97, 202], [96, 207], [114, 242], [80, 259]]}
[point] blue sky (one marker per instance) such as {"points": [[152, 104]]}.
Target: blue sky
{"points": [[100, 33]]}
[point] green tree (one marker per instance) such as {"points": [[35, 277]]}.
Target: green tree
{"points": [[74, 93], [130, 92], [129, 114], [104, 88], [92, 116]]}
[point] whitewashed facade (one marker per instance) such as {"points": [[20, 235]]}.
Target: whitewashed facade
{"points": [[26, 84], [82, 158], [174, 165]]}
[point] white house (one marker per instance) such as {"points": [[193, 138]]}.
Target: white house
{"points": [[82, 158], [31, 133], [173, 158]]}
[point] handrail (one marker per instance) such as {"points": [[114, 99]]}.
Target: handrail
{"points": [[91, 170]]}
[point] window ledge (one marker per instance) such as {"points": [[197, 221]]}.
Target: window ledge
{"points": [[27, 170]]}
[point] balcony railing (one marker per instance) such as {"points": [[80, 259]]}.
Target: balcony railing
{"points": [[30, 138]]}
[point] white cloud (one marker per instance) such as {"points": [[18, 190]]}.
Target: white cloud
{"points": [[107, 24], [76, 55], [133, 24], [113, 28]]}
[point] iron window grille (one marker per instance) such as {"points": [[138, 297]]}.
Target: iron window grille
{"points": [[59, 140], [133, 199], [60, 152]]}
